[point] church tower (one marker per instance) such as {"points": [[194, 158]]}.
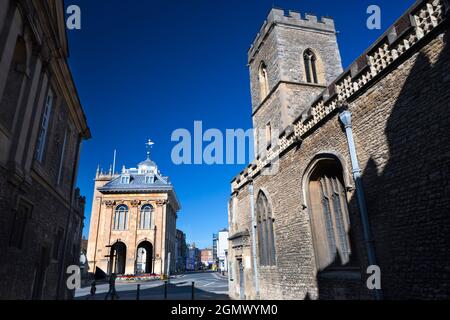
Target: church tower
{"points": [[292, 61]]}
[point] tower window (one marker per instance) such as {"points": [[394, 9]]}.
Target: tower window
{"points": [[310, 61], [268, 134], [263, 81]]}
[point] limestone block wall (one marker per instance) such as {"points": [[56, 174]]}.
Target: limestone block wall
{"points": [[398, 93]]}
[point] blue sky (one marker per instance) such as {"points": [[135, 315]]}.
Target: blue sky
{"points": [[146, 68]]}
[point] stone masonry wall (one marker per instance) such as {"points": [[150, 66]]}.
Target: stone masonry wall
{"points": [[400, 128]]}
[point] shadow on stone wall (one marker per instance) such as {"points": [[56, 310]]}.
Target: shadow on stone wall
{"points": [[408, 202]]}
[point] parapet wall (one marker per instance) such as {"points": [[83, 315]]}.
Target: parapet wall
{"points": [[293, 19]]}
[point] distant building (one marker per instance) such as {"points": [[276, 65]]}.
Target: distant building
{"points": [[222, 250], [214, 248], [42, 126], [193, 261], [133, 221], [84, 244], [207, 257], [181, 251]]}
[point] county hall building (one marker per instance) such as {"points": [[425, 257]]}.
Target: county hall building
{"points": [[133, 222]]}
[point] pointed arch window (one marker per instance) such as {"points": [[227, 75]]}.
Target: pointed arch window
{"points": [[145, 221], [266, 240], [329, 216], [310, 61], [121, 218], [263, 81]]}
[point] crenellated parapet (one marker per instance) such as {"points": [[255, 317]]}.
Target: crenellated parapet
{"points": [[293, 19], [400, 39]]}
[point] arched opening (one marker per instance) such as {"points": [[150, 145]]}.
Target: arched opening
{"points": [[144, 258], [336, 261], [263, 81], [311, 67], [14, 83], [118, 258], [266, 240]]}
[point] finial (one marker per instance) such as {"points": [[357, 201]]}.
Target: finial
{"points": [[110, 170], [149, 145], [97, 174]]}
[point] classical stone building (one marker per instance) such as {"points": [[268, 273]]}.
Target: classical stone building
{"points": [[133, 222], [354, 167], [42, 125]]}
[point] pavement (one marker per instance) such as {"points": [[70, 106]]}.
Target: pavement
{"points": [[208, 286]]}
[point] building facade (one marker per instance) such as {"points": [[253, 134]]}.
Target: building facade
{"points": [[181, 251], [222, 250], [356, 171], [42, 125], [194, 259], [133, 222]]}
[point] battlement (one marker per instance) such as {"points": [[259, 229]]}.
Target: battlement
{"points": [[293, 19], [401, 39]]}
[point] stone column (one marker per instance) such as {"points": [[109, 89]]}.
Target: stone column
{"points": [[92, 255], [132, 237], [104, 238]]}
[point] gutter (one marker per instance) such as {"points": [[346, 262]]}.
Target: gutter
{"points": [[346, 119]]}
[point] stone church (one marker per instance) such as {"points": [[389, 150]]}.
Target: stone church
{"points": [[42, 126], [353, 168], [133, 221]]}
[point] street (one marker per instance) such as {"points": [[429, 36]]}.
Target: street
{"points": [[208, 286]]}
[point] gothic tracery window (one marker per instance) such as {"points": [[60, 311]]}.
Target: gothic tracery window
{"points": [[329, 215], [121, 218], [266, 240], [310, 61]]}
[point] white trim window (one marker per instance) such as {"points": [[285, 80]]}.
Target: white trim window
{"points": [[146, 217], [44, 126], [61, 162], [149, 179], [125, 179]]}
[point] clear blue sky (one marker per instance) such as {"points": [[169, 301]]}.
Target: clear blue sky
{"points": [[146, 68]]}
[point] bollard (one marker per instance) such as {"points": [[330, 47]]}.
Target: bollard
{"points": [[165, 290], [138, 292], [193, 291]]}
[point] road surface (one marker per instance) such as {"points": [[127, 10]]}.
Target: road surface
{"points": [[208, 286]]}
